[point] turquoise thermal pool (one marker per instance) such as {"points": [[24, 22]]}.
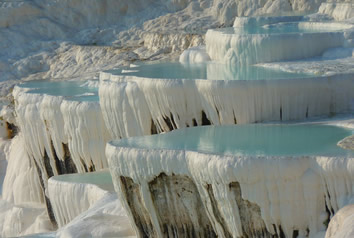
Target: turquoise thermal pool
{"points": [[102, 179], [208, 70], [249, 140], [279, 28], [72, 90]]}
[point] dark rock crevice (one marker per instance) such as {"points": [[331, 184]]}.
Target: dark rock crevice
{"points": [[69, 163], [47, 165], [153, 129], [326, 222], [217, 213], [205, 120], [131, 193], [84, 165], [195, 122], [12, 130], [65, 166], [47, 200], [250, 215], [170, 122], [281, 114], [179, 207]]}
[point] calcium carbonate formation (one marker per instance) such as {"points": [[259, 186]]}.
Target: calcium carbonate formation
{"points": [[163, 105], [169, 192], [70, 198], [59, 137], [237, 46], [244, 183], [179, 192]]}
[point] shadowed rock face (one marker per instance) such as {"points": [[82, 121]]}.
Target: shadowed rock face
{"points": [[141, 216], [181, 212], [250, 215], [12, 130], [65, 166], [47, 201], [220, 219], [179, 207]]}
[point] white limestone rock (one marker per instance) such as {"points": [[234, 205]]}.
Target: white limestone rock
{"points": [[342, 224], [339, 11], [106, 218], [85, 205], [305, 187], [247, 49], [21, 182], [70, 198], [159, 105], [194, 55]]}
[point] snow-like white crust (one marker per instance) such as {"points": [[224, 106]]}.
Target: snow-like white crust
{"points": [[194, 55], [50, 122], [261, 48], [21, 183], [280, 186], [105, 218], [130, 104], [34, 44], [342, 224], [22, 209], [339, 11], [69, 198]]}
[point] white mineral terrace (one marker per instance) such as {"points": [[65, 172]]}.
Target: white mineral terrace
{"points": [[241, 183], [87, 200], [287, 175], [63, 125], [70, 123], [177, 103], [254, 44], [73, 194]]}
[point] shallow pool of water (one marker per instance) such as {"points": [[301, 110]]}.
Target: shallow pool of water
{"points": [[249, 140], [102, 179], [279, 28], [71, 90]]}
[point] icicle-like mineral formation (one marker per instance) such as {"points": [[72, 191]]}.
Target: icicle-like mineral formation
{"points": [[245, 46], [60, 136], [134, 106], [72, 195], [186, 193]]}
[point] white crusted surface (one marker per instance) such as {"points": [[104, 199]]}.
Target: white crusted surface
{"points": [[339, 11], [69, 198], [106, 218], [241, 49], [22, 220], [52, 120], [333, 61], [86, 132], [342, 224], [194, 55], [57, 50], [223, 102], [4, 145], [21, 205], [85, 205], [32, 42], [280, 186], [21, 183]]}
